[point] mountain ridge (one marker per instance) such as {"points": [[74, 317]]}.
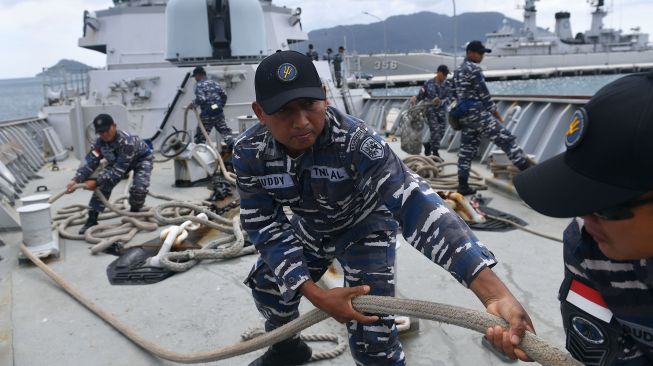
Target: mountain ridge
{"points": [[409, 33]]}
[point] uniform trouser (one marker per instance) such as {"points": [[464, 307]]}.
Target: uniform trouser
{"points": [[220, 124], [138, 191], [338, 74], [367, 261], [437, 125], [485, 124]]}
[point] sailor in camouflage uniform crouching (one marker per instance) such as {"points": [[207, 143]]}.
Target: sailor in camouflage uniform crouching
{"points": [[607, 294], [481, 117], [439, 91], [345, 187], [123, 153], [211, 99]]}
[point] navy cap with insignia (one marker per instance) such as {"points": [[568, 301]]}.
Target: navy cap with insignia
{"points": [[477, 46], [285, 76], [608, 146], [102, 122]]}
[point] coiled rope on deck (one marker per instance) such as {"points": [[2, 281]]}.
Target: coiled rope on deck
{"points": [[168, 213], [432, 167], [538, 349]]}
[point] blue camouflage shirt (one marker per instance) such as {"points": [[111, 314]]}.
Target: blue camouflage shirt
{"points": [[207, 94], [122, 154], [434, 89], [469, 84], [626, 287], [349, 181]]}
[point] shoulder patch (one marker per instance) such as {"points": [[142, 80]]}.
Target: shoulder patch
{"points": [[372, 149]]}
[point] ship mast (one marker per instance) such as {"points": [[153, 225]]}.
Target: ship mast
{"points": [[530, 24], [597, 20]]}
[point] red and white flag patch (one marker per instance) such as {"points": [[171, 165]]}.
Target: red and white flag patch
{"points": [[589, 300]]}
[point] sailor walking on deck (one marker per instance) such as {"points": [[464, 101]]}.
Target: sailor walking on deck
{"points": [[349, 193], [438, 90], [123, 153], [211, 99], [312, 53], [603, 179], [479, 117]]}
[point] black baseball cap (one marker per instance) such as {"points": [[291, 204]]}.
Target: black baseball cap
{"points": [[443, 69], [608, 151], [199, 70], [477, 46], [285, 76], [102, 122]]}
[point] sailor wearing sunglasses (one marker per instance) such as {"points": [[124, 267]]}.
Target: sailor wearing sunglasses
{"points": [[605, 180]]}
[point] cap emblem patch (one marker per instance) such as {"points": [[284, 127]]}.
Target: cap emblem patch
{"points": [[577, 128], [287, 72]]}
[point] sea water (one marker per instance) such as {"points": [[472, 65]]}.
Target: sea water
{"points": [[559, 86], [20, 98]]}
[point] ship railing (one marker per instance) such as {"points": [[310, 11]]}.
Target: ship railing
{"points": [[25, 146], [537, 121], [61, 87]]}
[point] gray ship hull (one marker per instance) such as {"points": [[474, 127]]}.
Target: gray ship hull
{"points": [[379, 65]]}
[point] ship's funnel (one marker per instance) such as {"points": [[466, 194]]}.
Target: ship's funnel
{"points": [[563, 26]]}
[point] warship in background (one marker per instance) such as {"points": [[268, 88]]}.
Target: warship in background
{"points": [[527, 52]]}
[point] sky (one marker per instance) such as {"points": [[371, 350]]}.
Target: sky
{"points": [[38, 33]]}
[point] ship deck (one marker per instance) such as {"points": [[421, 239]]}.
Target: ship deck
{"points": [[208, 307]]}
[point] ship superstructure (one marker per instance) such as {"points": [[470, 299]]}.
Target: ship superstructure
{"points": [[151, 46], [528, 40]]}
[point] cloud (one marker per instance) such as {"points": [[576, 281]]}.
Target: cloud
{"points": [[37, 34]]}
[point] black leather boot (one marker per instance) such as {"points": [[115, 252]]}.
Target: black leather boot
{"points": [[463, 186], [91, 221], [427, 149], [135, 209], [287, 352]]}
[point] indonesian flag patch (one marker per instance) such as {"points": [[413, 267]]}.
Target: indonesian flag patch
{"points": [[589, 300]]}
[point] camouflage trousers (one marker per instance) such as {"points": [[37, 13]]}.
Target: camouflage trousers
{"points": [[220, 124], [338, 75], [436, 120], [367, 261], [138, 191], [485, 124]]}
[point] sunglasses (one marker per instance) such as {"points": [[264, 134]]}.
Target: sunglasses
{"points": [[622, 211]]}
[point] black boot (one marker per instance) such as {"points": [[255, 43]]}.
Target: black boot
{"points": [[427, 149], [287, 352], [525, 164], [135, 209], [463, 186], [91, 221], [436, 153]]}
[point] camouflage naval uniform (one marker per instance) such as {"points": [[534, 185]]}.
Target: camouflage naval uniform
{"points": [[627, 291], [123, 154], [209, 93], [345, 193], [436, 115], [337, 68], [470, 86]]}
